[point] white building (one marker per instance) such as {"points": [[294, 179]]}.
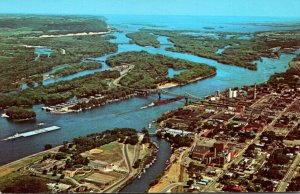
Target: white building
{"points": [[230, 93], [175, 132], [234, 95]]}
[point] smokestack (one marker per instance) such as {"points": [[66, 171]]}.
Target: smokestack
{"points": [[215, 152], [254, 94]]}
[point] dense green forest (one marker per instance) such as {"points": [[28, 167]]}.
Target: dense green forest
{"points": [[19, 34], [151, 70], [18, 113], [144, 38], [23, 66], [89, 85], [75, 68], [30, 25]]}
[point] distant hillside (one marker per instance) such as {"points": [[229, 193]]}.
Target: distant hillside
{"points": [[20, 25]]}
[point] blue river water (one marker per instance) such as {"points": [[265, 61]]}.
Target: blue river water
{"points": [[221, 50], [127, 113]]}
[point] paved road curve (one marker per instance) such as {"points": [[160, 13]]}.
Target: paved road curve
{"points": [[169, 187]]}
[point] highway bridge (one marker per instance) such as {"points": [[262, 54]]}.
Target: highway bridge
{"points": [[185, 96]]}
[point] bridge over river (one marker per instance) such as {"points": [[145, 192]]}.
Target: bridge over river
{"points": [[187, 96]]}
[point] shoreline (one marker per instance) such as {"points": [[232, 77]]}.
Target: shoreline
{"points": [[5, 116], [173, 84], [9, 167], [66, 110]]}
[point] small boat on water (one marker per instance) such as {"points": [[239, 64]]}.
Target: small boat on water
{"points": [[4, 115], [140, 175], [149, 105], [41, 124]]}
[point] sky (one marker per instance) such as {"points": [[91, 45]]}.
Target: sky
{"points": [[270, 8]]}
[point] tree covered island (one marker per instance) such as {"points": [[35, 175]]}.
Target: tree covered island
{"points": [[144, 38], [152, 70], [20, 114], [239, 49]]}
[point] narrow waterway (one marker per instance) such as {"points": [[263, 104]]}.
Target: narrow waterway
{"points": [[127, 113], [142, 184]]}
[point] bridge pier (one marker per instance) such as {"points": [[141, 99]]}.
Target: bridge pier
{"points": [[186, 101]]}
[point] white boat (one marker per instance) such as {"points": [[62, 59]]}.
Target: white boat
{"points": [[41, 124], [4, 115], [149, 105]]}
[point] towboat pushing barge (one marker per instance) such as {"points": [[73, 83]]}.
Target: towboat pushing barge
{"points": [[31, 133], [162, 102]]}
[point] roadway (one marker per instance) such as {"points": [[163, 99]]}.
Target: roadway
{"points": [[123, 74], [170, 187], [289, 175], [117, 185]]}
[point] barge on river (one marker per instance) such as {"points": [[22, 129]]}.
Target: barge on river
{"points": [[162, 102], [31, 133]]}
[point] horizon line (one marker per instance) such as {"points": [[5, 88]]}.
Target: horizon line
{"points": [[84, 14]]}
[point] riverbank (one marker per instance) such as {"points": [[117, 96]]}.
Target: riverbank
{"points": [[173, 84], [70, 107], [74, 107], [143, 181], [16, 165], [140, 163]]}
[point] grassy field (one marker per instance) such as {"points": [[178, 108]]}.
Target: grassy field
{"points": [[101, 178], [109, 153]]}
